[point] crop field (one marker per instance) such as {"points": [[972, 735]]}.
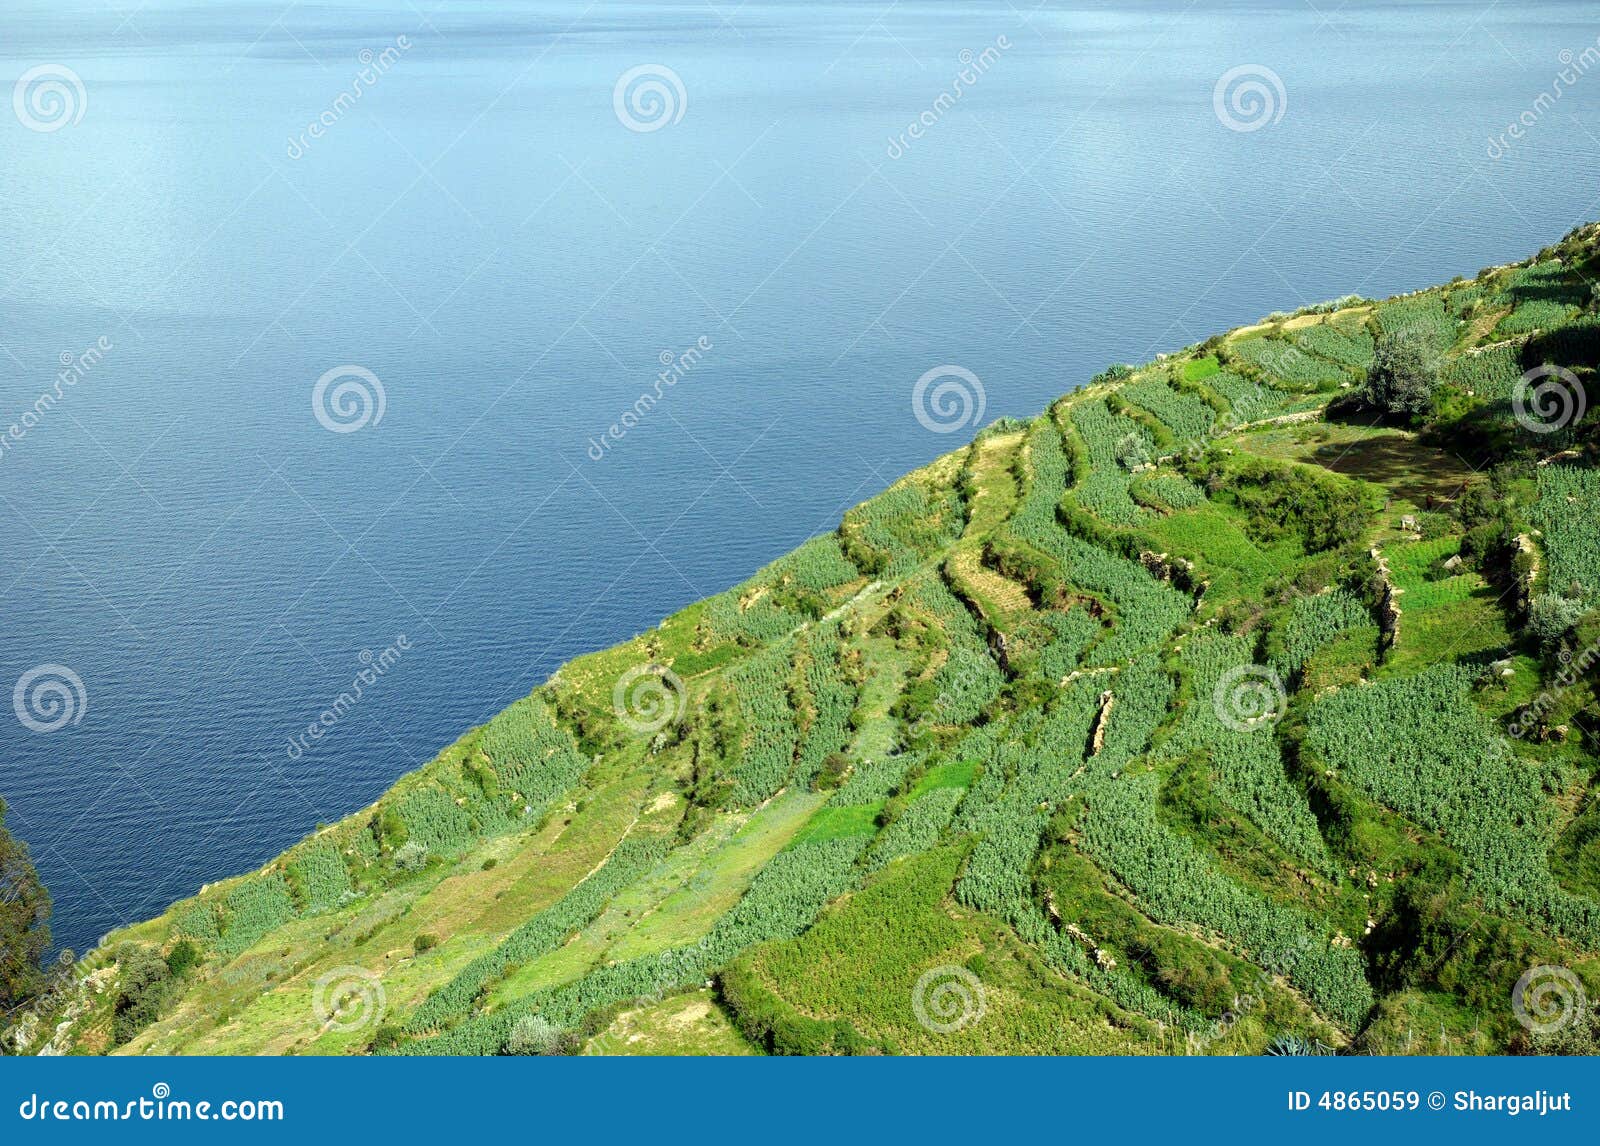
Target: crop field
{"points": [[1165, 491], [1247, 401], [1491, 374], [1284, 365], [1075, 747], [1351, 348], [1533, 315], [1567, 509], [1188, 418], [1419, 746], [1113, 443], [1423, 315]]}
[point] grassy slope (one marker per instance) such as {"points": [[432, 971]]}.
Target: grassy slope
{"points": [[961, 597]]}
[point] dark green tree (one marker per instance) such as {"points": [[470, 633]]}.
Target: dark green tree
{"points": [[24, 921], [1403, 374]]}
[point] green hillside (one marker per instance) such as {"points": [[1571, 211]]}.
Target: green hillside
{"points": [[1214, 710]]}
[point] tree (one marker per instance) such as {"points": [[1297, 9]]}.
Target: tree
{"points": [[24, 921], [1403, 374]]}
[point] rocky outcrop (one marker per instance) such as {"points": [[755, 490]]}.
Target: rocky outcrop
{"points": [[1530, 575], [1388, 594], [1097, 740]]}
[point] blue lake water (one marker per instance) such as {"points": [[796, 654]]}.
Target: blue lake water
{"points": [[483, 232]]}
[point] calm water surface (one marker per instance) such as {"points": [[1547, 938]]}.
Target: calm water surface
{"points": [[510, 261]]}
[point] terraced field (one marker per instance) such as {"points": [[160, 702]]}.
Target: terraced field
{"points": [[1155, 724]]}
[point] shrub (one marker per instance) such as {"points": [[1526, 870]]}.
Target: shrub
{"points": [[1328, 512], [1551, 617], [425, 941], [183, 958], [533, 1034], [410, 856]]}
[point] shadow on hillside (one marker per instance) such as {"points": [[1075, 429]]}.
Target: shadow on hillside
{"points": [[1402, 463]]}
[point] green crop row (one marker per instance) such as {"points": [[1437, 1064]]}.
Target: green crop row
{"points": [[1231, 719], [1352, 347], [781, 901], [1568, 510], [831, 698], [1423, 315], [1286, 364], [1189, 418], [1114, 443], [1490, 374], [902, 527], [917, 828], [1312, 623], [543, 933], [1166, 491], [1420, 746], [767, 719]]}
